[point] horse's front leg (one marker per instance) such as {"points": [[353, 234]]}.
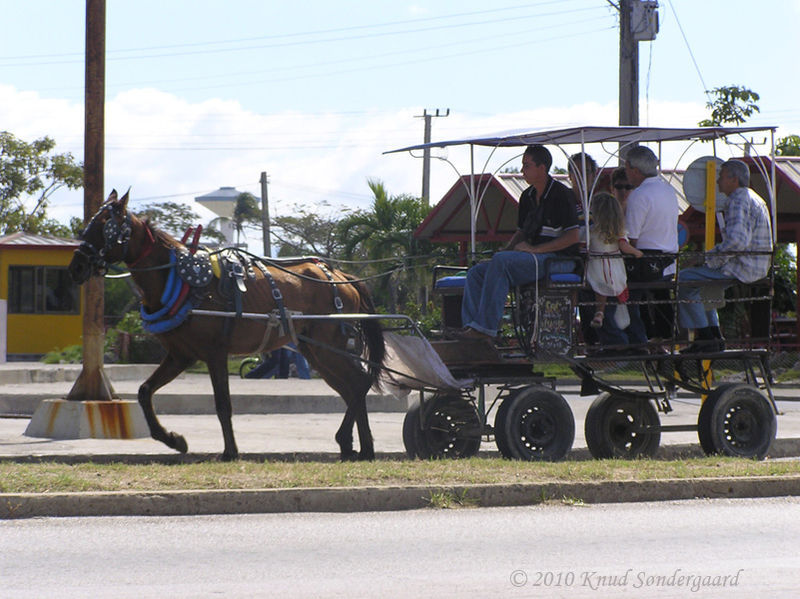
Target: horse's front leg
{"points": [[218, 370], [169, 368]]}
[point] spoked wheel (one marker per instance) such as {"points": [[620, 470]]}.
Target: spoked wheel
{"points": [[737, 420], [537, 424], [614, 427], [446, 427]]}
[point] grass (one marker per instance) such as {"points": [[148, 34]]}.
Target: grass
{"points": [[52, 477]]}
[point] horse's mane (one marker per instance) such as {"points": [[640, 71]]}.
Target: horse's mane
{"points": [[160, 236]]}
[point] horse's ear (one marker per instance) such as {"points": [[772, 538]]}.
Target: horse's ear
{"points": [[124, 200], [112, 197]]}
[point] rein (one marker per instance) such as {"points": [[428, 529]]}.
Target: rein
{"points": [[150, 244]]}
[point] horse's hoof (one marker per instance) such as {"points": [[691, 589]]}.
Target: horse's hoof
{"points": [[229, 457], [350, 456], [179, 443], [366, 456]]}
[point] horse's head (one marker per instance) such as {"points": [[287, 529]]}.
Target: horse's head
{"points": [[104, 241]]}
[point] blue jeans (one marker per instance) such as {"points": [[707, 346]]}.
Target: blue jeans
{"points": [[694, 315], [488, 283]]}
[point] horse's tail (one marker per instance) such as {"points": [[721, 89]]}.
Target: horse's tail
{"points": [[373, 333]]}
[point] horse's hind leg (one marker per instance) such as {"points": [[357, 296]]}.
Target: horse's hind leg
{"points": [[352, 383], [218, 370], [169, 368]]}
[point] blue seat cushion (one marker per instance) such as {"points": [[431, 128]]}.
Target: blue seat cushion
{"points": [[451, 282], [567, 277]]}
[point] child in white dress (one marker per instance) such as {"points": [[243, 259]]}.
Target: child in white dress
{"points": [[606, 269]]}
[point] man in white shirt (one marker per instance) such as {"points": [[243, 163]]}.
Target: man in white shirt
{"points": [[651, 218]]}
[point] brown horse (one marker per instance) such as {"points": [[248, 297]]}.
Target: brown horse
{"points": [[115, 235]]}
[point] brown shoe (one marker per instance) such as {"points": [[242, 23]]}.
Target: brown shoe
{"points": [[470, 333]]}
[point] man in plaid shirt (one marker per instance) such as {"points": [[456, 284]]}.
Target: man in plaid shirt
{"points": [[747, 230]]}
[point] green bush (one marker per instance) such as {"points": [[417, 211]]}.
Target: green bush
{"points": [[72, 354]]}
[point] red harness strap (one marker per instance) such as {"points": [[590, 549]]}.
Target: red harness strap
{"points": [[150, 244]]}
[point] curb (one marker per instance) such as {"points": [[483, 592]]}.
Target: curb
{"points": [[364, 499], [202, 404]]}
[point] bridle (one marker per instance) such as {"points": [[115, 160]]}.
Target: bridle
{"points": [[116, 235]]}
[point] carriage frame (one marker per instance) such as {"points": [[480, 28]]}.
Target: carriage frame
{"points": [[532, 421]]}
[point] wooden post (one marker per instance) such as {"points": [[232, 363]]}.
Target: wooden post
{"points": [[92, 383]]}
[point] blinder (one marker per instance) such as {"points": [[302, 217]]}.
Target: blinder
{"points": [[115, 235]]}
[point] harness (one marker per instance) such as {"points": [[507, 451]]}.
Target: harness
{"points": [[115, 235], [175, 303]]}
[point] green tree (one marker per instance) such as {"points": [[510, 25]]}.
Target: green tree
{"points": [[245, 212], [788, 146], [731, 104], [307, 233], [30, 171]]}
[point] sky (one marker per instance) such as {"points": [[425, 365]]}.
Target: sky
{"points": [[203, 94]]}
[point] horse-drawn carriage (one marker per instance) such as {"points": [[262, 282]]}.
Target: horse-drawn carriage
{"points": [[205, 306], [511, 397]]}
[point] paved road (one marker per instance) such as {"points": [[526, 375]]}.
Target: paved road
{"points": [[554, 550]]}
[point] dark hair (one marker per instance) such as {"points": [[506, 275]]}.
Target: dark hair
{"points": [[575, 163], [618, 174], [540, 155]]}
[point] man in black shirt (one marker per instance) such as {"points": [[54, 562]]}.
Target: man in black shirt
{"points": [[547, 226]]}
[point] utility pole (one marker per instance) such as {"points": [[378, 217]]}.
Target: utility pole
{"points": [[265, 215], [426, 153], [92, 383], [638, 21], [628, 67]]}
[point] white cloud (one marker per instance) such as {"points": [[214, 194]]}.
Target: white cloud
{"points": [[162, 145]]}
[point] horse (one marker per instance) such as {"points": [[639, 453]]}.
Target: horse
{"points": [[308, 286]]}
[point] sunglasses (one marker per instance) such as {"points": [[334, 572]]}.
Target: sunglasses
{"points": [[628, 187]]}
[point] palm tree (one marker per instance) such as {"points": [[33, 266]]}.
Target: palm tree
{"points": [[385, 231], [246, 211]]}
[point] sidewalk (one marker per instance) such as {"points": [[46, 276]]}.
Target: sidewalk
{"points": [[277, 417], [22, 387]]}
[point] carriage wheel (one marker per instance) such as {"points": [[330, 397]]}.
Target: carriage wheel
{"points": [[450, 428], [411, 430], [500, 438], [742, 422], [704, 419], [538, 425], [614, 427]]}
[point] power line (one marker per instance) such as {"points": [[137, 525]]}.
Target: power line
{"points": [[323, 64], [27, 62], [688, 47]]}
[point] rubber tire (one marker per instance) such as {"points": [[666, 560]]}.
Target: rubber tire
{"points": [[438, 436], [538, 425], [500, 438], [743, 422], [411, 430], [704, 419], [607, 425]]}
